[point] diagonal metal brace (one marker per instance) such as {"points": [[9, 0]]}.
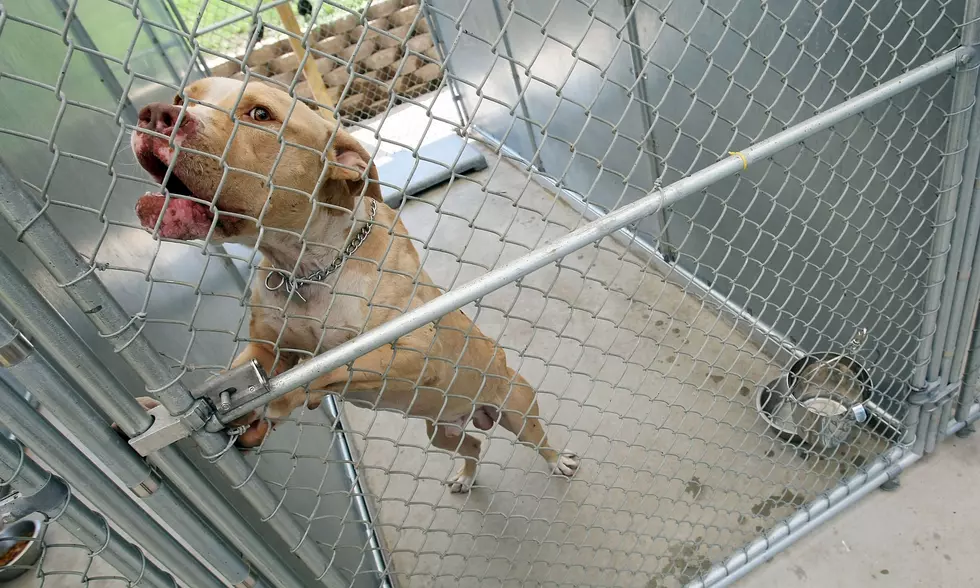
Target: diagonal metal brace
{"points": [[933, 392], [217, 396]]}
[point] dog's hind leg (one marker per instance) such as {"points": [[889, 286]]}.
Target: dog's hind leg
{"points": [[450, 438], [519, 415]]}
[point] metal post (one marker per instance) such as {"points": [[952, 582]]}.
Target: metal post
{"points": [[99, 64], [639, 64], [956, 185], [516, 78], [966, 233], [178, 19], [967, 292], [57, 452], [79, 362], [77, 277], [440, 44], [945, 252], [308, 371], [971, 379], [971, 417], [965, 333], [65, 405], [87, 526]]}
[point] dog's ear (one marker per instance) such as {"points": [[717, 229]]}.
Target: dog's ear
{"points": [[350, 162]]}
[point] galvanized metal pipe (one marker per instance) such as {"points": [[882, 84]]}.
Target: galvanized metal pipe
{"points": [[57, 452], [936, 412], [972, 414], [78, 280], [309, 371], [815, 514], [971, 379], [966, 349], [57, 396], [519, 90], [945, 415], [90, 528], [962, 257], [64, 346], [936, 305], [945, 251], [439, 42]]}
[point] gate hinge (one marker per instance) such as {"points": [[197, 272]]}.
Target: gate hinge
{"points": [[217, 396], [933, 393], [967, 56]]}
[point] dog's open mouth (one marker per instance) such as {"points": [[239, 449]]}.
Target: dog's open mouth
{"points": [[179, 217]]}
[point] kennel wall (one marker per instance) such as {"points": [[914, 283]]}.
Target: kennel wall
{"points": [[681, 199]]}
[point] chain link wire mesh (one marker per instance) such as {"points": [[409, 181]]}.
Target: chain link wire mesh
{"points": [[225, 28], [64, 562], [370, 56], [580, 108], [68, 544]]}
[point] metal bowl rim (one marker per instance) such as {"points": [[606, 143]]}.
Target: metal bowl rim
{"points": [[7, 534], [861, 372]]}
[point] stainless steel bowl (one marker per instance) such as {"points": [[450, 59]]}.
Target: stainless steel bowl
{"points": [[24, 529], [840, 362], [776, 408], [824, 421], [825, 413]]}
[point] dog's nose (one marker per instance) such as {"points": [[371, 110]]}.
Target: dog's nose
{"points": [[161, 117]]}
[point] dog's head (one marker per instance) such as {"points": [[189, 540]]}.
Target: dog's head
{"points": [[249, 155]]}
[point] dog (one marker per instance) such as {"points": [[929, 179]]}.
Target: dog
{"points": [[336, 254]]}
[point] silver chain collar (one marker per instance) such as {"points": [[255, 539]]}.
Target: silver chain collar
{"points": [[292, 285]]}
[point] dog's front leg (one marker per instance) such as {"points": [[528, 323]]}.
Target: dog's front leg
{"points": [[265, 355], [383, 369]]}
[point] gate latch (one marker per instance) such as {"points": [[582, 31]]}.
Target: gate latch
{"points": [[216, 396], [228, 390]]}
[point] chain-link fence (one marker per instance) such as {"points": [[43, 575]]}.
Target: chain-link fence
{"points": [[696, 297], [226, 28]]}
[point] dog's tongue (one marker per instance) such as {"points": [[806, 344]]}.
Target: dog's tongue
{"points": [[183, 219]]}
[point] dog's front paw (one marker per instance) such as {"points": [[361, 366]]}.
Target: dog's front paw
{"points": [[566, 464], [461, 483]]}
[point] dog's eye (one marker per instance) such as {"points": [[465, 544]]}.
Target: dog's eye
{"points": [[260, 114]]}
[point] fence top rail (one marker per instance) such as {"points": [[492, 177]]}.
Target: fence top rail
{"points": [[242, 403]]}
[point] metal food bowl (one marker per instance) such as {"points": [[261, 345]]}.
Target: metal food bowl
{"points": [[828, 403], [825, 421], [776, 409], [844, 363], [11, 536]]}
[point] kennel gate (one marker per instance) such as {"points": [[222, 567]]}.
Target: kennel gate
{"points": [[681, 200]]}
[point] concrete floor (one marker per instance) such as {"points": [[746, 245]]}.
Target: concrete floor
{"points": [[639, 377], [643, 380], [925, 534]]}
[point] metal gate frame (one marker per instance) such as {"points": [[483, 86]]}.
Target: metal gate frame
{"points": [[943, 401]]}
